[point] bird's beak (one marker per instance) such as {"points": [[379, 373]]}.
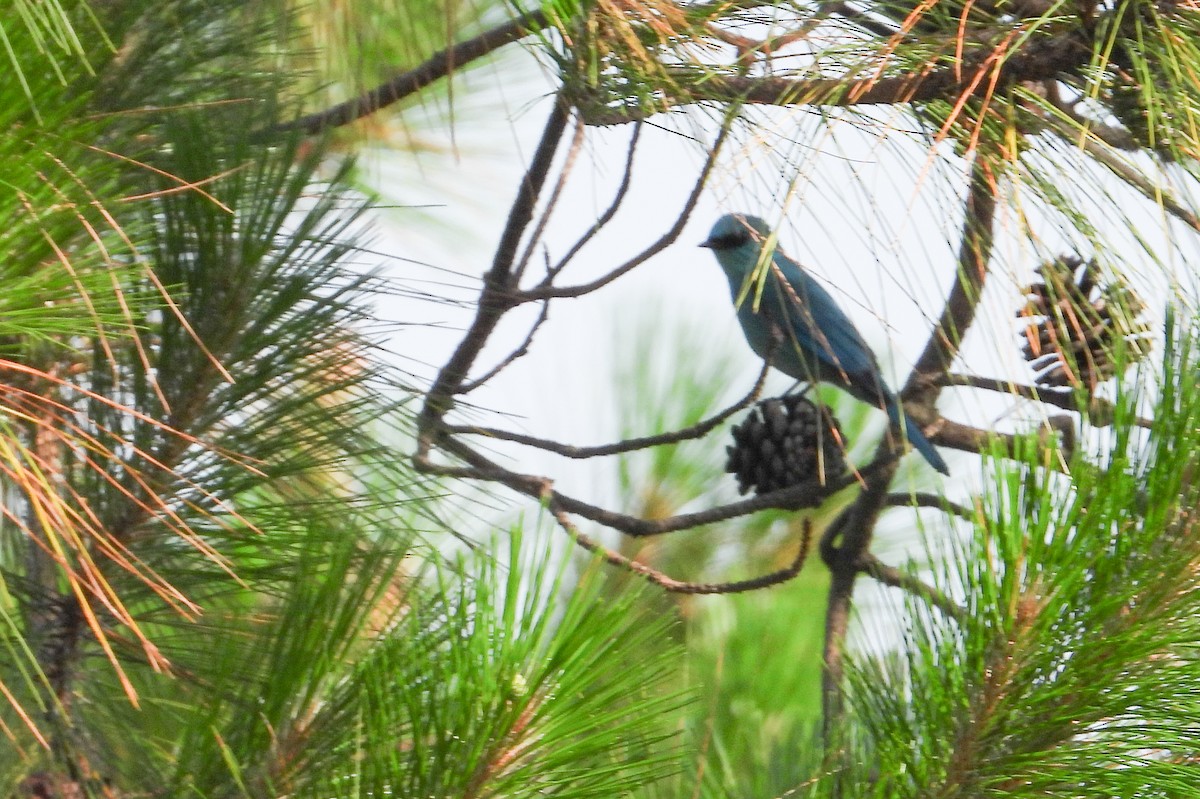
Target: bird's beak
{"points": [[706, 243]]}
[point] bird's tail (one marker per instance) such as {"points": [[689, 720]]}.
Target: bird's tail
{"points": [[915, 436]]}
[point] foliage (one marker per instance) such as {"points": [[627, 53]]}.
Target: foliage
{"points": [[1071, 673]]}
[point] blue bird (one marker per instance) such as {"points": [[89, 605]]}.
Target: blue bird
{"points": [[812, 338]]}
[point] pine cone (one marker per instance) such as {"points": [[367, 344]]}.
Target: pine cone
{"points": [[1075, 325], [784, 442]]}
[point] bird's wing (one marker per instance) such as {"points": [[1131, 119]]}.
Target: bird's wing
{"points": [[821, 328]]}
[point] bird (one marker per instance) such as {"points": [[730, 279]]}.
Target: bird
{"points": [[793, 322]]}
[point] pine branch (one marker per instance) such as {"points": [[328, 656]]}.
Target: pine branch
{"points": [[978, 77], [436, 67], [1038, 60]]}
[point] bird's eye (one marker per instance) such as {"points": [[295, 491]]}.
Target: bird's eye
{"points": [[730, 240]]}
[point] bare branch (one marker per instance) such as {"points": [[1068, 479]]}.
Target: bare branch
{"points": [[919, 499], [890, 575], [545, 290], [520, 352], [855, 527], [608, 214], [552, 201], [806, 495], [1102, 151], [973, 257], [495, 297], [438, 66], [629, 445], [1100, 411], [981, 440], [656, 577]]}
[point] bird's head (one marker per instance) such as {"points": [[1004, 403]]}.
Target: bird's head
{"points": [[734, 231]]}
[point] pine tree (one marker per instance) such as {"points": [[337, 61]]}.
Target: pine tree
{"points": [[218, 579]]}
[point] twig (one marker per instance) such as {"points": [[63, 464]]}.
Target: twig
{"points": [[919, 499], [552, 201], [545, 290], [1102, 151], [743, 44], [436, 67], [520, 352], [1060, 398], [749, 49], [1099, 410], [495, 297], [656, 577], [609, 212], [889, 575], [628, 445]]}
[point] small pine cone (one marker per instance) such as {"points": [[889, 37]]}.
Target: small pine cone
{"points": [[784, 442], [1074, 324]]}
